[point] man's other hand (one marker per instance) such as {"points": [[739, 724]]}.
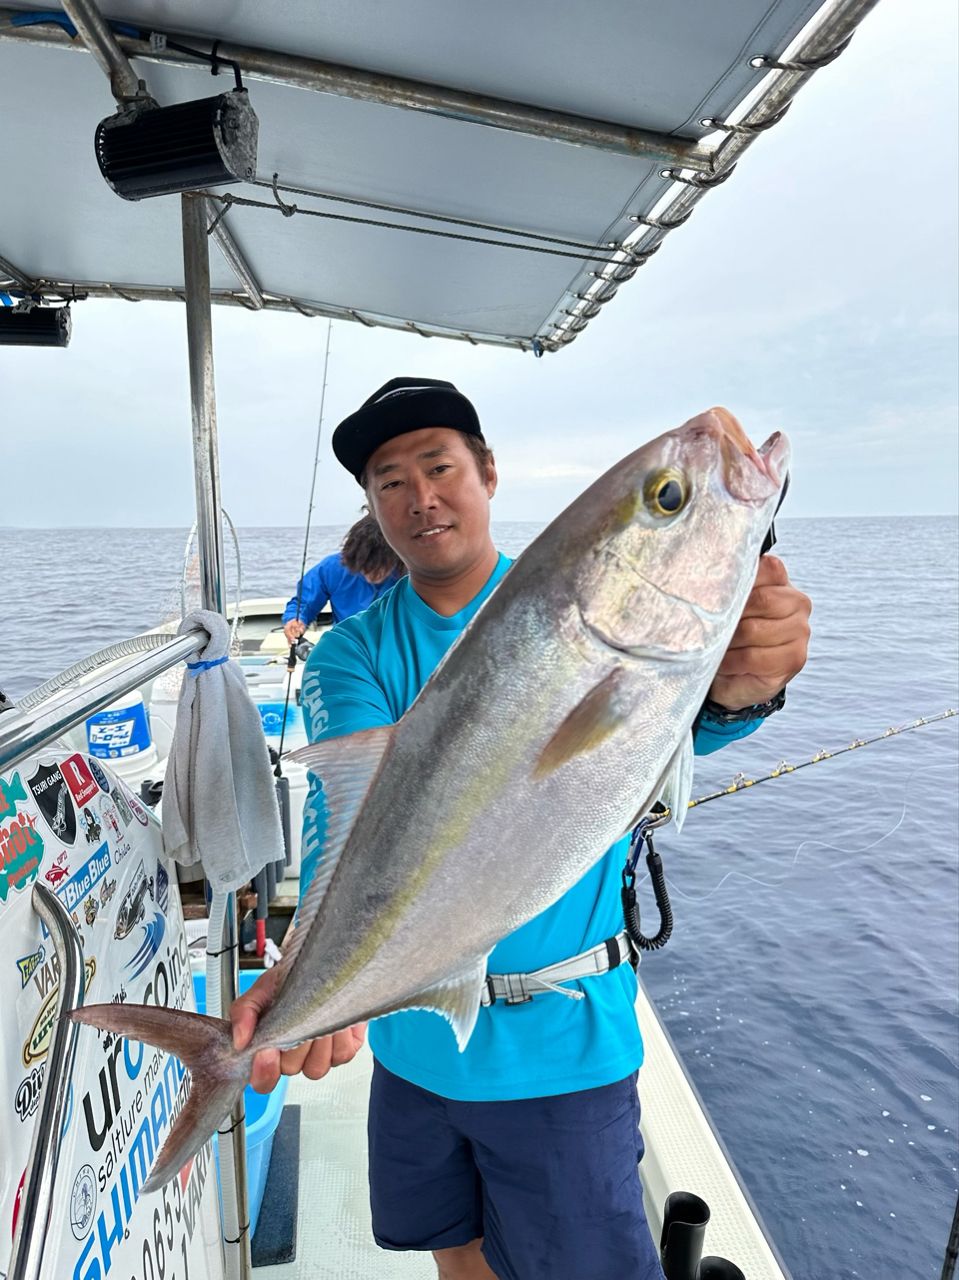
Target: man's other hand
{"points": [[314, 1058], [293, 630], [770, 644]]}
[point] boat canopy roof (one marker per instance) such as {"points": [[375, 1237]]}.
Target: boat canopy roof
{"points": [[493, 172]]}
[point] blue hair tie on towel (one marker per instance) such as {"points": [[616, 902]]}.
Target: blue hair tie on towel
{"points": [[195, 668]]}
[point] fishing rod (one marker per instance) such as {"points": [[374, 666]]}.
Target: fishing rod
{"points": [[291, 662], [741, 783], [660, 814], [264, 882]]}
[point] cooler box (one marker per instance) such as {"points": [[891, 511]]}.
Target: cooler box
{"points": [[263, 1112]]}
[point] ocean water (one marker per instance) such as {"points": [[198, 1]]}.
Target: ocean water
{"points": [[811, 981]]}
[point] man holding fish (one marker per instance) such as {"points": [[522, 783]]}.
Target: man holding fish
{"points": [[484, 741], [524, 1146]]}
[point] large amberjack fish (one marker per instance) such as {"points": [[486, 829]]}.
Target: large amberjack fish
{"points": [[558, 717]]}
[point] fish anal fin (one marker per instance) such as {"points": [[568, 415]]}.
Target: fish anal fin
{"points": [[346, 767], [456, 998], [588, 725]]}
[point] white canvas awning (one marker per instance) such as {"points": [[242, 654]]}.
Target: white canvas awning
{"points": [[477, 171]]}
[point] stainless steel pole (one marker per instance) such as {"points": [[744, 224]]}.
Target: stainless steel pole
{"points": [[23, 732], [234, 257], [206, 471], [36, 1203], [8, 270], [100, 40], [206, 465]]}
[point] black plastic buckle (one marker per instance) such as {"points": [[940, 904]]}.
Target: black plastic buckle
{"points": [[613, 955], [490, 990]]}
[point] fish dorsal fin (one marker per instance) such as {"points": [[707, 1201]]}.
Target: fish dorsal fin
{"points": [[346, 767], [456, 998], [586, 726], [677, 784]]}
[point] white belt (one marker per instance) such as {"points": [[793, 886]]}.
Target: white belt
{"points": [[518, 988]]}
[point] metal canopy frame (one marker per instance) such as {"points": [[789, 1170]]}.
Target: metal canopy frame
{"points": [[687, 166]]}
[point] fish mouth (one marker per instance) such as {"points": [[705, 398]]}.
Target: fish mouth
{"points": [[750, 475], [773, 454]]}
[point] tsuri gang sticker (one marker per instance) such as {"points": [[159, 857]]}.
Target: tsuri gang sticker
{"points": [[21, 849], [50, 791]]}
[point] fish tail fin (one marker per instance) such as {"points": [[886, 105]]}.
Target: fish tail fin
{"points": [[205, 1046]]}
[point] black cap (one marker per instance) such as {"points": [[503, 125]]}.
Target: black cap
{"points": [[401, 405]]}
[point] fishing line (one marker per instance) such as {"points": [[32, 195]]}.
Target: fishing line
{"points": [[291, 663], [856, 854]]}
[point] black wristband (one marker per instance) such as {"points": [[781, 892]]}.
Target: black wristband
{"points": [[714, 713]]}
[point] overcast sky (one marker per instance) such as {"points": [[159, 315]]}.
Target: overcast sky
{"points": [[816, 292]]}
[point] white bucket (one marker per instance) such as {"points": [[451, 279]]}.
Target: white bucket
{"points": [[121, 735]]}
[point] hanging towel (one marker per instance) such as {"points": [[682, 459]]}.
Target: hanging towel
{"points": [[219, 801]]}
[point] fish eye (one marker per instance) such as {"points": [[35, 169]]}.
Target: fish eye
{"points": [[665, 492]]}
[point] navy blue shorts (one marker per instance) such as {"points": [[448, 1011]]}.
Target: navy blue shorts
{"points": [[551, 1184]]}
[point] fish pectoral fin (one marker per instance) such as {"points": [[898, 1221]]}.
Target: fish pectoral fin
{"points": [[346, 767], [677, 784], [587, 725], [457, 999]]}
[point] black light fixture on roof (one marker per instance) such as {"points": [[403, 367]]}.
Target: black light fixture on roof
{"points": [[157, 151], [33, 326]]}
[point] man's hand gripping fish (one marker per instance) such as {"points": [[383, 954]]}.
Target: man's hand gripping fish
{"points": [[562, 713]]}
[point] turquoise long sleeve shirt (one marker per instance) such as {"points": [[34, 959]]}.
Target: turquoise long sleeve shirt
{"points": [[365, 673]]}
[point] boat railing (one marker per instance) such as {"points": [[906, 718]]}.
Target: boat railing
{"points": [[39, 1183], [89, 687]]}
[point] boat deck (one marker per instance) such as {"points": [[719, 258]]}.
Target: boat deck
{"points": [[334, 1237]]}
